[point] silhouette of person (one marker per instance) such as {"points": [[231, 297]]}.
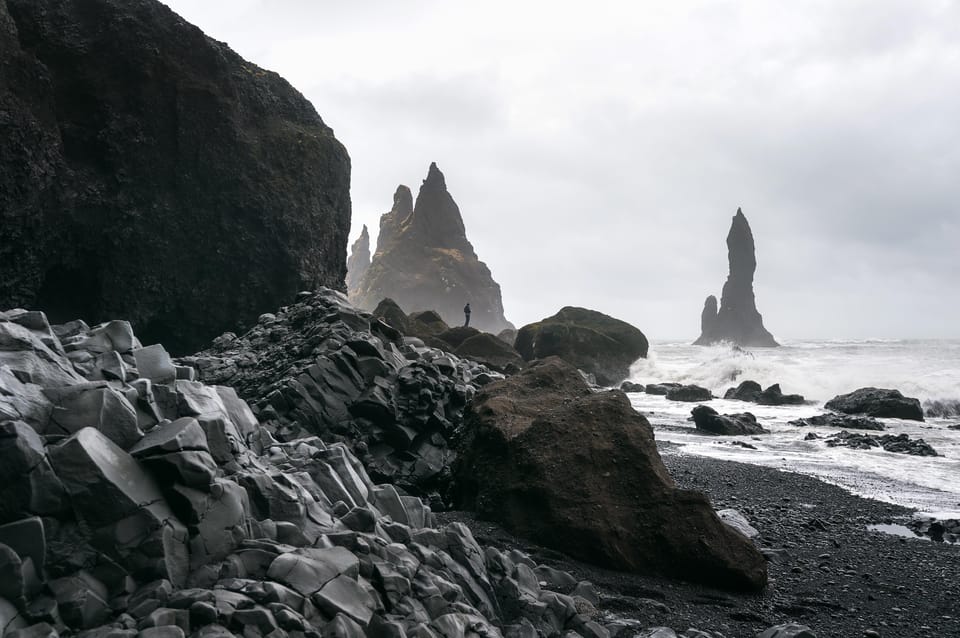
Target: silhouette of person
{"points": [[466, 315]]}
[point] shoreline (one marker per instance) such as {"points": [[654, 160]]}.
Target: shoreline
{"points": [[827, 571]]}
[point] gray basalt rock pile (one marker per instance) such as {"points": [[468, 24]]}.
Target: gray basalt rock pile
{"points": [[322, 367], [467, 342], [149, 172], [737, 320], [137, 502]]}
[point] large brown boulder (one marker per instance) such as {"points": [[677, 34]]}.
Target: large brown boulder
{"points": [[579, 472], [590, 340], [149, 172]]}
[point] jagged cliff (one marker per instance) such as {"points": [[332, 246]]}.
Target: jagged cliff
{"points": [[359, 260], [424, 261], [737, 320], [148, 171]]}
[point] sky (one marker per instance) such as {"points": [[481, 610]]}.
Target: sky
{"points": [[598, 151]]}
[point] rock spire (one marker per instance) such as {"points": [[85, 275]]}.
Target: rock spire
{"points": [[359, 259], [424, 261], [737, 320]]}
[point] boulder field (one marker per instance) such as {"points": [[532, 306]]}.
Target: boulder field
{"points": [[149, 172], [138, 502], [578, 471]]}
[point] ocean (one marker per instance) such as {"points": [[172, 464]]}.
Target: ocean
{"points": [[819, 370]]}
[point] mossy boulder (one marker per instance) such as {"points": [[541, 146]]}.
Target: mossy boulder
{"points": [[592, 341]]}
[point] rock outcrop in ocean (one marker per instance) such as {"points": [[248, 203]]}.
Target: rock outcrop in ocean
{"points": [[424, 261], [877, 402], [149, 172], [737, 320], [359, 260], [579, 471], [594, 342]]}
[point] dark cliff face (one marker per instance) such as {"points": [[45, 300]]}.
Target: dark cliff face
{"points": [[149, 172], [359, 259], [424, 261], [737, 320]]}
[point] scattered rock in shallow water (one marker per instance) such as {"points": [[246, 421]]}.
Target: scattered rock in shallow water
{"points": [[878, 402], [752, 392], [899, 443], [709, 421], [630, 386], [690, 393], [939, 530], [843, 421]]}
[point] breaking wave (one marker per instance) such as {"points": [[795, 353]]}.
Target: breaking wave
{"points": [[819, 370]]}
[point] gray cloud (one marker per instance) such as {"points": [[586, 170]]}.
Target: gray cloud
{"points": [[598, 153]]}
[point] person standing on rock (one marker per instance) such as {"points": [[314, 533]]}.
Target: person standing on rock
{"points": [[466, 315]]}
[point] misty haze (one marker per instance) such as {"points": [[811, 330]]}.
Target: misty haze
{"points": [[519, 320]]}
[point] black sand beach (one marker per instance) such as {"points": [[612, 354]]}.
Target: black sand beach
{"points": [[827, 571]]}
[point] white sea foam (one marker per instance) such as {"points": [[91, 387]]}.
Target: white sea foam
{"points": [[928, 370], [819, 370]]}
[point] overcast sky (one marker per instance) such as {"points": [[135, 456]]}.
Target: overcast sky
{"points": [[598, 150]]}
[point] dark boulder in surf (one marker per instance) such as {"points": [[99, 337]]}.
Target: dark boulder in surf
{"points": [[878, 402], [709, 421], [689, 393], [751, 391]]}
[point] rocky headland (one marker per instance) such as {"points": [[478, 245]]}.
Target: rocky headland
{"points": [[149, 172], [737, 319], [424, 261]]}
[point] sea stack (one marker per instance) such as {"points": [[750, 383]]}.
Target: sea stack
{"points": [[359, 260], [424, 261], [737, 321]]}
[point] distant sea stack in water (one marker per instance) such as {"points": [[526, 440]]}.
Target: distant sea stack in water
{"points": [[737, 320], [424, 261], [149, 172], [359, 260]]}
